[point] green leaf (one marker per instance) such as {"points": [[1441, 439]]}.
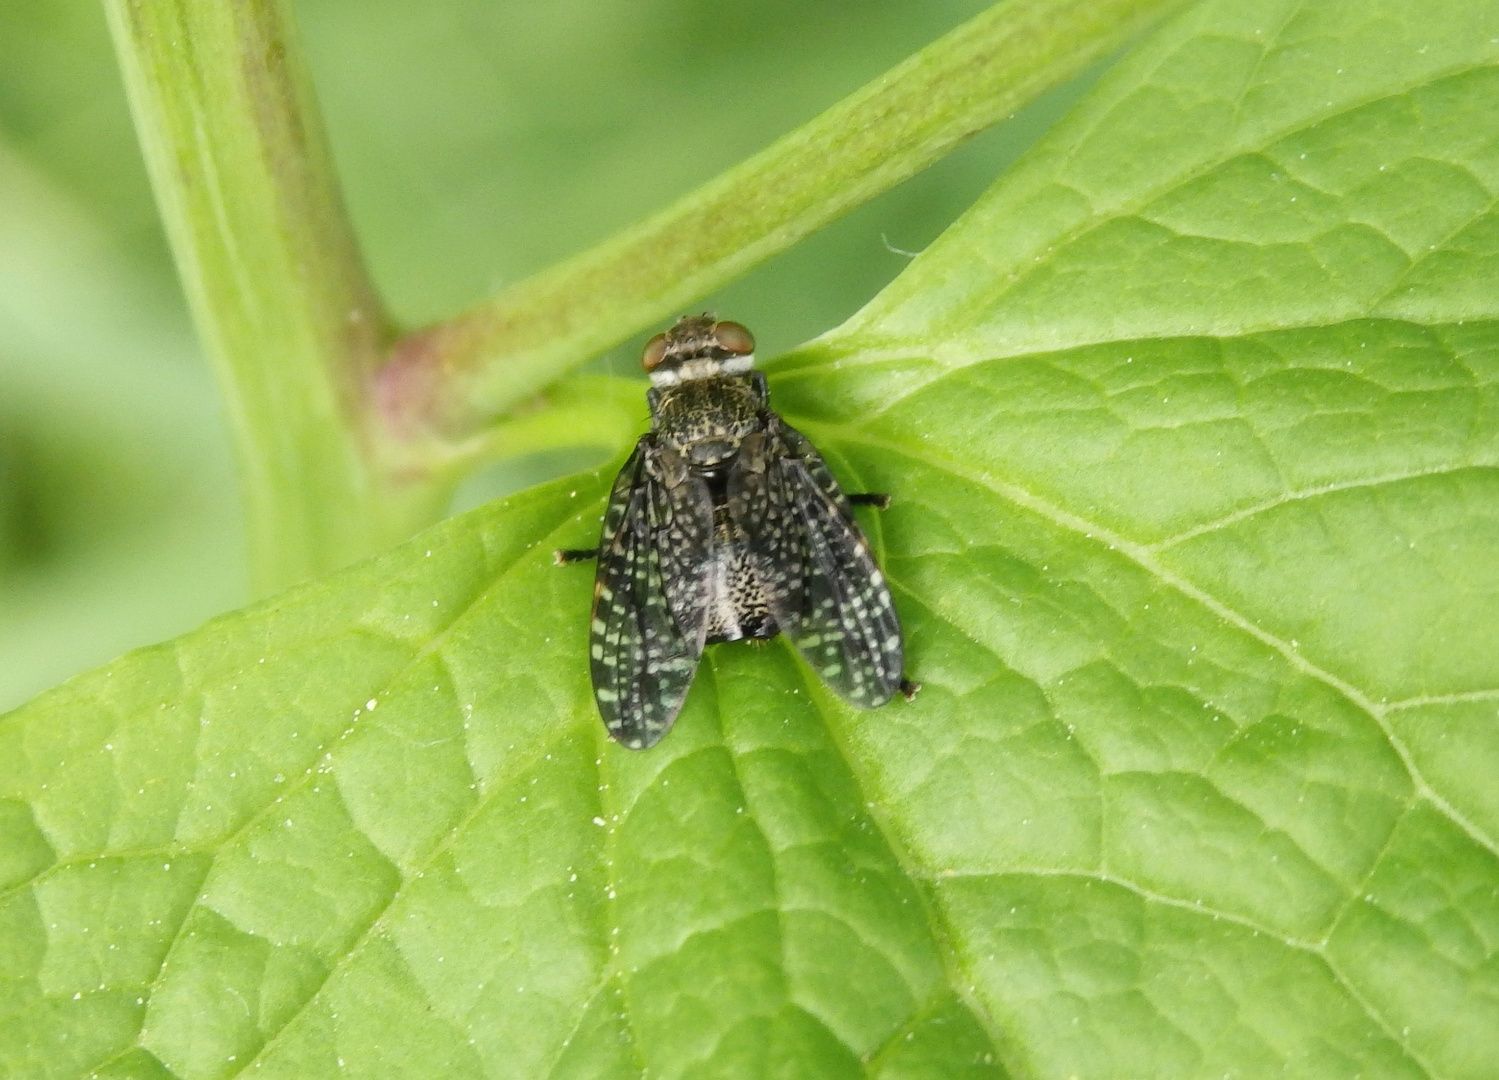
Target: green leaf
{"points": [[1191, 428]]}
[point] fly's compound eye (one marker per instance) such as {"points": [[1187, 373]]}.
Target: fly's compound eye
{"points": [[653, 353], [733, 338]]}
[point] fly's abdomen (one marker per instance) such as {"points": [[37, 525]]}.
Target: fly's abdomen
{"points": [[740, 611], [739, 607]]}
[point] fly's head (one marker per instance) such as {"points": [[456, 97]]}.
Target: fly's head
{"points": [[702, 403], [698, 347]]}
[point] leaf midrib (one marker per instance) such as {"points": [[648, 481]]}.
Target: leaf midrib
{"points": [[945, 362], [1142, 556]]}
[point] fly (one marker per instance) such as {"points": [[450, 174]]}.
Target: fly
{"points": [[725, 524]]}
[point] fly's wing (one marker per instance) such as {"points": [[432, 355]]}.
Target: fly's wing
{"points": [[649, 611], [823, 586]]}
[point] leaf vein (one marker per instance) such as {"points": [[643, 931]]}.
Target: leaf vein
{"points": [[1362, 483], [1142, 556]]}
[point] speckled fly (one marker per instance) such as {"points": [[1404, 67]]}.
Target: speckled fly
{"points": [[724, 525]]}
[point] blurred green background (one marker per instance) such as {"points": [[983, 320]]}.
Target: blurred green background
{"points": [[478, 141]]}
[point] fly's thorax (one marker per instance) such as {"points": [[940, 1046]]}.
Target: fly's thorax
{"points": [[705, 420]]}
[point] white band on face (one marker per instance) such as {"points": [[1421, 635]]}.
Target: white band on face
{"points": [[701, 368]]}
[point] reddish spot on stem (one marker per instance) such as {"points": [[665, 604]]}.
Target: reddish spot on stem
{"points": [[408, 386]]}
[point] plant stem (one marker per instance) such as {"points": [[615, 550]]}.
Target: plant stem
{"points": [[341, 456], [602, 412], [447, 381], [245, 182]]}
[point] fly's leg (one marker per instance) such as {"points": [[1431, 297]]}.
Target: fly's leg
{"points": [[568, 556], [908, 688]]}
